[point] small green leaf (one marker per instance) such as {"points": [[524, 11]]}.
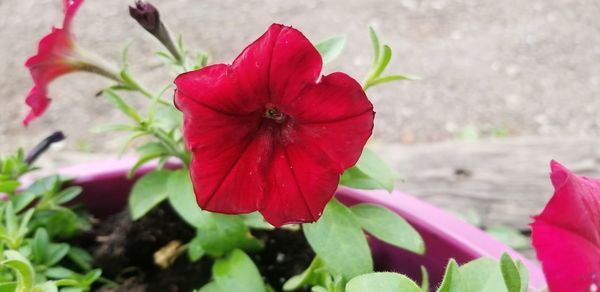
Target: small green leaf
{"points": [[340, 242], [237, 272], [482, 275], [376, 46], [56, 252], [149, 191], [386, 56], [210, 287], [22, 267], [120, 103], [524, 275], [9, 186], [257, 221], [331, 48], [392, 78], [355, 178], [221, 233], [46, 287], [510, 273], [68, 194], [389, 227], [183, 199], [424, 279], [452, 281], [374, 167], [195, 250], [382, 282], [310, 276], [141, 161], [80, 257], [39, 246], [8, 287]]}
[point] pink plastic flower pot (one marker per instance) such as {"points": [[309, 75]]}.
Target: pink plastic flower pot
{"points": [[105, 191]]}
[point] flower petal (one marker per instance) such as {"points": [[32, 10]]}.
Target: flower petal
{"points": [[566, 235], [38, 102], [336, 116], [301, 180], [70, 8], [228, 143], [278, 64]]}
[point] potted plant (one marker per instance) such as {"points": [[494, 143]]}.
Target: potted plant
{"points": [[233, 186]]}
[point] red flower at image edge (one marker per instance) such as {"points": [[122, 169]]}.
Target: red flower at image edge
{"points": [[566, 235], [51, 61], [266, 134]]}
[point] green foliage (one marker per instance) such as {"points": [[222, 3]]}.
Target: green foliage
{"points": [[370, 172], [220, 234], [485, 275], [382, 282], [237, 272], [340, 242], [381, 58], [331, 48], [389, 227], [509, 236], [149, 191]]}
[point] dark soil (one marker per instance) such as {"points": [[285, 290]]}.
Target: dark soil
{"points": [[124, 250]]}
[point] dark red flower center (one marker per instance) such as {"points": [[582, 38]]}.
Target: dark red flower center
{"points": [[273, 113]]}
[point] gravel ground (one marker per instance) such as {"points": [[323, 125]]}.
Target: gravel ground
{"points": [[490, 67]]}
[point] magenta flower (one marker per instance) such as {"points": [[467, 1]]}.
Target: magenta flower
{"points": [[55, 57], [566, 235]]}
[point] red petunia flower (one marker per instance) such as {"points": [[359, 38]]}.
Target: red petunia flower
{"points": [[56, 56], [266, 134], [566, 235]]}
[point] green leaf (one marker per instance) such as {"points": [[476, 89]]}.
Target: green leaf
{"points": [[392, 78], [340, 242], [511, 274], [39, 246], [80, 257], [376, 46], [8, 287], [120, 103], [141, 161], [355, 178], [237, 272], [389, 227], [310, 276], [22, 200], [331, 48], [9, 186], [183, 199], [68, 194], [451, 281], [211, 287], [374, 167], [524, 275], [195, 250], [386, 56], [220, 234], [382, 282], [22, 267], [56, 252], [424, 279], [257, 221], [482, 275], [46, 287], [149, 191]]}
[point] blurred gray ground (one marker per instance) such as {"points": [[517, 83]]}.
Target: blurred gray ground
{"points": [[489, 68], [512, 67]]}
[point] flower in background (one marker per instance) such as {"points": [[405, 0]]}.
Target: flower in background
{"points": [[58, 55], [267, 134], [53, 59], [566, 235]]}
